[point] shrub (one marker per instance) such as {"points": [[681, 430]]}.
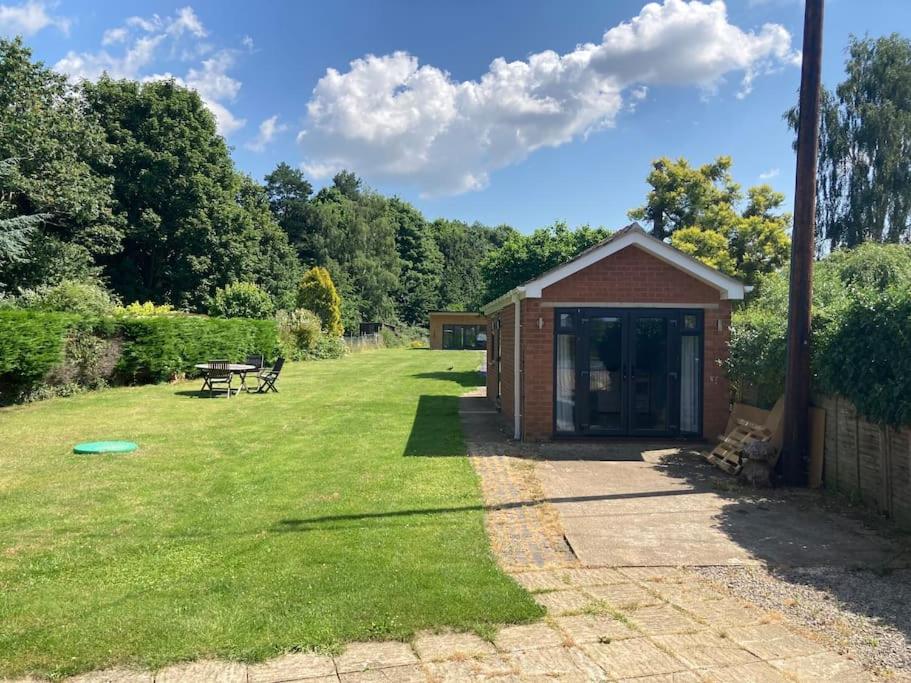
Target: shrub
{"points": [[31, 344], [860, 340], [317, 293], [71, 296], [299, 332], [138, 310], [160, 348], [329, 346], [241, 300]]}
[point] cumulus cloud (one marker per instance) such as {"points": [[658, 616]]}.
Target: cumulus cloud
{"points": [[392, 118], [142, 38], [268, 129], [29, 18], [771, 173]]}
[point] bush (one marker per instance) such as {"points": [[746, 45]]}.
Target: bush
{"points": [[860, 333], [299, 332], [157, 349], [138, 310], [87, 299], [329, 346], [317, 293], [241, 300], [31, 344]]}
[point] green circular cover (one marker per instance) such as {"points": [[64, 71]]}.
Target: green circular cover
{"points": [[105, 447]]}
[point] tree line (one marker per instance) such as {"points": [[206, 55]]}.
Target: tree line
{"points": [[129, 184]]}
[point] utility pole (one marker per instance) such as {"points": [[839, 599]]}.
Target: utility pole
{"points": [[796, 441]]}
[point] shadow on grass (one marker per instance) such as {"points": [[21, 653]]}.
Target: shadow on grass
{"points": [[190, 393], [466, 378], [435, 431]]}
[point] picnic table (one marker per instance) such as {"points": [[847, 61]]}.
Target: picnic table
{"points": [[239, 369]]}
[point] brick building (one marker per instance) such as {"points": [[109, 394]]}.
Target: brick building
{"points": [[627, 339]]}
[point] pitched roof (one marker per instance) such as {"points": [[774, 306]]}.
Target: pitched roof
{"points": [[631, 235]]}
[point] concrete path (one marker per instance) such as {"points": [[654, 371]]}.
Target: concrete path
{"points": [[632, 504]]}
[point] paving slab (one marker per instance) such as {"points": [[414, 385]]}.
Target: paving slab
{"points": [[479, 669], [773, 641], [113, 676], [594, 628], [704, 649], [755, 672], [292, 667], [555, 662], [662, 620], [432, 647], [410, 673], [208, 671], [631, 658], [623, 595], [547, 580], [565, 602], [643, 511], [363, 656], [823, 666], [676, 677], [527, 637]]}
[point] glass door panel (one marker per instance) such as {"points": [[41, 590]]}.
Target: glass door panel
{"points": [[649, 382], [566, 383], [690, 374], [605, 374]]}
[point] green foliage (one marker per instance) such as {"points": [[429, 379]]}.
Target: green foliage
{"points": [[157, 349], [524, 257], [464, 248], [421, 263], [860, 332], [241, 300], [299, 332], [697, 208], [143, 310], [864, 137], [329, 346], [55, 204], [86, 299], [31, 344], [317, 293]]}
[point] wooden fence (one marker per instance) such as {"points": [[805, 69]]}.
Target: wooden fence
{"points": [[867, 460]]}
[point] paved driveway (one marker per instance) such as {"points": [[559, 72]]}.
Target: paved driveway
{"points": [[634, 505]]}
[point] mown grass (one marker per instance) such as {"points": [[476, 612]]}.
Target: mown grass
{"points": [[339, 509]]}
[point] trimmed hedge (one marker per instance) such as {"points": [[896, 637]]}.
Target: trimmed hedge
{"points": [[31, 344], [157, 349], [43, 353]]}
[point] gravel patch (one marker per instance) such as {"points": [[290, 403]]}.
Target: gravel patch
{"points": [[860, 613]]}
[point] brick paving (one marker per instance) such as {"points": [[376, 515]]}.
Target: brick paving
{"points": [[635, 624]]}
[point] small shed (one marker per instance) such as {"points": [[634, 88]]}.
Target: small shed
{"points": [[457, 330], [375, 328], [625, 340]]}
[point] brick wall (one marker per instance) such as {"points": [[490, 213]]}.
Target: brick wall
{"points": [[628, 276]]}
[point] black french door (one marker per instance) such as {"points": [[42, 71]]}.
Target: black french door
{"points": [[628, 372]]}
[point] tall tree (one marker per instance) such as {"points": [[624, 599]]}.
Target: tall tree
{"points": [[54, 203], [699, 211], [681, 194], [524, 257], [464, 248], [421, 263], [289, 194], [864, 174]]}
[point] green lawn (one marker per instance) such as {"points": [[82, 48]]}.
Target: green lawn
{"points": [[340, 509]]}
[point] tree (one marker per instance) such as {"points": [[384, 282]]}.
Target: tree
{"points": [[681, 194], [864, 174], [698, 209], [524, 257], [464, 247], [55, 205], [289, 193], [421, 263], [317, 293]]}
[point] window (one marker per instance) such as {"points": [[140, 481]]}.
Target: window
{"points": [[458, 337]]}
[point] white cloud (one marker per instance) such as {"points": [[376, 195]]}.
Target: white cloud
{"points": [[771, 173], [391, 118], [268, 129], [29, 18], [142, 38], [248, 44]]}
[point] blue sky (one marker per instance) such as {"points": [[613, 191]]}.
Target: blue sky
{"points": [[563, 128]]}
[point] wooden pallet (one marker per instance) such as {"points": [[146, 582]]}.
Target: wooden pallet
{"points": [[728, 454]]}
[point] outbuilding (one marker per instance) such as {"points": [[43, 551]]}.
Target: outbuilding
{"points": [[457, 330], [627, 339]]}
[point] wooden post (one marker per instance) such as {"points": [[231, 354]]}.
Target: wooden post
{"points": [[795, 445]]}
